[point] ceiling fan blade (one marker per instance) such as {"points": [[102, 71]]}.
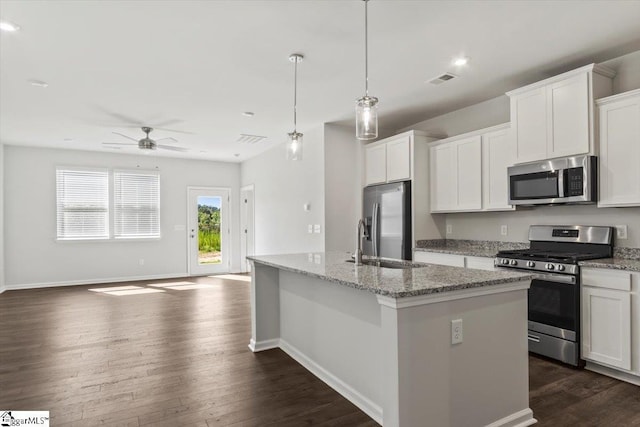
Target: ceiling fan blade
{"points": [[118, 143], [175, 131], [171, 138], [122, 117], [125, 136], [167, 123], [169, 147]]}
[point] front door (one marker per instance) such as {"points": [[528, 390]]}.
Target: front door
{"points": [[208, 231]]}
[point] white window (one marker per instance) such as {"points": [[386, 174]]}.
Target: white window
{"points": [[136, 203], [83, 204]]}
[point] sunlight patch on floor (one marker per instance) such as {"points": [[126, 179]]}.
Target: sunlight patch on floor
{"points": [[239, 277], [187, 287], [134, 292], [169, 284]]}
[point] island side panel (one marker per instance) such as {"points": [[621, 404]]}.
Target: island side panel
{"points": [[483, 380], [334, 331], [265, 307]]}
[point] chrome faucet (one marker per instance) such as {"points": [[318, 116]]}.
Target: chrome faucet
{"points": [[358, 255]]}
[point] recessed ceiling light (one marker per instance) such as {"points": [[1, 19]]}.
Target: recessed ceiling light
{"points": [[248, 114], [38, 83], [459, 62], [202, 151], [68, 139], [8, 26], [237, 154]]}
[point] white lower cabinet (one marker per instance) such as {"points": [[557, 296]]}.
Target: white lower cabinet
{"points": [[610, 309], [478, 263]]}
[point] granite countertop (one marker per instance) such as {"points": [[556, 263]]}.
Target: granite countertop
{"points": [[613, 264], [397, 283], [479, 248], [623, 259]]}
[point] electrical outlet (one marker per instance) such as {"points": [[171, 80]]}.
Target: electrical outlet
{"points": [[504, 230], [621, 232], [316, 228], [141, 261], [310, 228], [456, 331], [449, 229]]}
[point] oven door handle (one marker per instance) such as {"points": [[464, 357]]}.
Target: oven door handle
{"points": [[533, 338], [560, 278]]}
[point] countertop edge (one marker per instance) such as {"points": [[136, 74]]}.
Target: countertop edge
{"points": [[613, 264]]}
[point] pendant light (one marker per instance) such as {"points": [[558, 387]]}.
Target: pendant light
{"points": [[294, 142], [367, 106]]}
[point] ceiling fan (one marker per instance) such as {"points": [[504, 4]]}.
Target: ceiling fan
{"points": [[145, 143]]}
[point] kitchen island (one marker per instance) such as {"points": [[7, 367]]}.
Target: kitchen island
{"points": [[383, 337]]}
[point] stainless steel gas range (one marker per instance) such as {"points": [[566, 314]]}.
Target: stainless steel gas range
{"points": [[554, 295]]}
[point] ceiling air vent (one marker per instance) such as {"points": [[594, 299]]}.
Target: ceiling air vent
{"points": [[250, 139], [442, 78]]}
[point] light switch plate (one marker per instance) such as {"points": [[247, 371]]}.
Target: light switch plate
{"points": [[504, 230], [621, 232], [310, 228], [449, 229], [316, 228]]}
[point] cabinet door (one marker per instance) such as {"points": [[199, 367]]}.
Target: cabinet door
{"points": [[606, 326], [620, 153], [399, 159], [568, 117], [497, 155], [443, 183], [375, 164], [468, 170], [529, 120]]}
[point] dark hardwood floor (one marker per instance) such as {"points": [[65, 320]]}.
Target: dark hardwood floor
{"points": [[180, 358]]}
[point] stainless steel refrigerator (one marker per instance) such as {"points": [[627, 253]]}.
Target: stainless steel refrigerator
{"points": [[387, 218]]}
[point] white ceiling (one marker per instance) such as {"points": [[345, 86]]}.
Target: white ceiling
{"points": [[199, 64]]}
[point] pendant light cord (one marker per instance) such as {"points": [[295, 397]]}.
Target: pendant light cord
{"points": [[366, 49], [295, 93]]}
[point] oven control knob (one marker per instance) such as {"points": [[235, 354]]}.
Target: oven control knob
{"points": [[514, 262], [550, 267], [531, 264], [561, 268], [505, 262]]}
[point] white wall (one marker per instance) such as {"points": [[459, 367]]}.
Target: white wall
{"points": [[1, 218], [34, 257], [282, 187], [342, 186], [486, 225]]}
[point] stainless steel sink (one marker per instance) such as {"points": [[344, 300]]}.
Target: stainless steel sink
{"points": [[383, 264]]}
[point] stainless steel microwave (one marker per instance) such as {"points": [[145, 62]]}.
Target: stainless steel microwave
{"points": [[555, 181]]}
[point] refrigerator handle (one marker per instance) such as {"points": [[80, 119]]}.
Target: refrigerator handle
{"points": [[374, 229]]}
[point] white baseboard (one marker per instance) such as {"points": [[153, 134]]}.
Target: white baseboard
{"points": [[522, 418], [263, 345], [365, 404], [92, 281], [614, 373]]}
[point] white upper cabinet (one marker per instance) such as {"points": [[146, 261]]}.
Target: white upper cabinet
{"points": [[619, 117], [375, 164], [399, 158], [497, 155], [388, 160], [467, 164], [554, 118], [469, 172]]}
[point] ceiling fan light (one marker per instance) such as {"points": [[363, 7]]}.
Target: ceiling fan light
{"points": [[367, 118], [294, 146]]}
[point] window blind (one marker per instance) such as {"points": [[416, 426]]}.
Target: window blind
{"points": [[82, 204], [136, 204]]}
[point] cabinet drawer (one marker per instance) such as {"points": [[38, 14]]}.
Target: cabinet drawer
{"points": [[609, 279], [480, 263], [438, 258]]}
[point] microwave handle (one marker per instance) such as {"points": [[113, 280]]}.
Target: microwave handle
{"points": [[561, 174]]}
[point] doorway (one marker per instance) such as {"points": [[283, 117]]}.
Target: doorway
{"points": [[209, 228], [247, 225]]}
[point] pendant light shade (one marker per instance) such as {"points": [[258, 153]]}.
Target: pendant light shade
{"points": [[367, 106], [294, 141]]}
